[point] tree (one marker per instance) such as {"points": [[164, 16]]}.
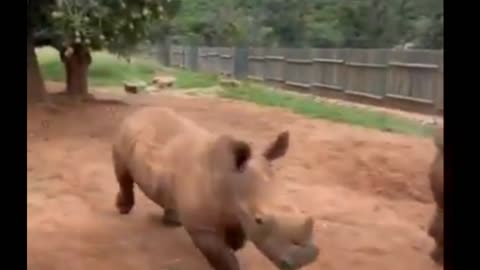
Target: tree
{"points": [[288, 19], [428, 28], [76, 27], [35, 85]]}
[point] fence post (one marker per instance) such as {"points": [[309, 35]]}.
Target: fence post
{"points": [[184, 58], [163, 53], [240, 62], [439, 90]]}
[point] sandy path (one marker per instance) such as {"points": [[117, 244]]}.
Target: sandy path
{"points": [[367, 190]]}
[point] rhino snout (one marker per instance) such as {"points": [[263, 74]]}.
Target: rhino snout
{"points": [[298, 257]]}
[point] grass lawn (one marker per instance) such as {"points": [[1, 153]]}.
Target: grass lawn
{"points": [[316, 109]]}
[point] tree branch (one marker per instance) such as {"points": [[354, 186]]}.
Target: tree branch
{"points": [[47, 38]]}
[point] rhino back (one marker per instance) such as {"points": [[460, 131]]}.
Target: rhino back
{"points": [[169, 154], [153, 144]]}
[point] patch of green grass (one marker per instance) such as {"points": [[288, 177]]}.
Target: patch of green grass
{"points": [[50, 64], [106, 69], [109, 70], [316, 109], [189, 79]]}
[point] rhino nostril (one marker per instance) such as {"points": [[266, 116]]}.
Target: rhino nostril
{"points": [[259, 220], [286, 265]]}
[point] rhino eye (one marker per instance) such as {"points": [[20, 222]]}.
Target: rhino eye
{"points": [[259, 220]]}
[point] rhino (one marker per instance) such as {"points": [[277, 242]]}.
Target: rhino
{"points": [[214, 185]]}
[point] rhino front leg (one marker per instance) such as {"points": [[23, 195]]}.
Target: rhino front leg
{"points": [[170, 217], [213, 247], [125, 196], [436, 232]]}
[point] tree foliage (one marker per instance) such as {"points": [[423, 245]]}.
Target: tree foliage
{"points": [[98, 24], [116, 25], [310, 23]]}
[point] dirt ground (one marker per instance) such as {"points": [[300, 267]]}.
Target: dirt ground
{"points": [[367, 190]]}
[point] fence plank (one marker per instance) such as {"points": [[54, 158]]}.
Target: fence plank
{"points": [[240, 66], [274, 64], [298, 67], [413, 75], [328, 68], [256, 63], [225, 58]]}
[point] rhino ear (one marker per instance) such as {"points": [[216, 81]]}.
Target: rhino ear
{"points": [[241, 154], [229, 150], [279, 147]]}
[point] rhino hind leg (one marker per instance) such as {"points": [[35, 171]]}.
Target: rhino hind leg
{"points": [[125, 196]]}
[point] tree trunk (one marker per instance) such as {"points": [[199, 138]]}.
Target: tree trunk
{"points": [[76, 60], [35, 85]]}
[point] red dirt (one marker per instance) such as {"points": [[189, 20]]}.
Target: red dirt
{"points": [[367, 190]]}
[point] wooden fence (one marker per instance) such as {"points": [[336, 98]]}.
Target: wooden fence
{"points": [[409, 80]]}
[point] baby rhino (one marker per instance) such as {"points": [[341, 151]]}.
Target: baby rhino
{"points": [[214, 185]]}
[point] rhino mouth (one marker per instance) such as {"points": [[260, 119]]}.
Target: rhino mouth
{"points": [[287, 242], [289, 257], [297, 257]]}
